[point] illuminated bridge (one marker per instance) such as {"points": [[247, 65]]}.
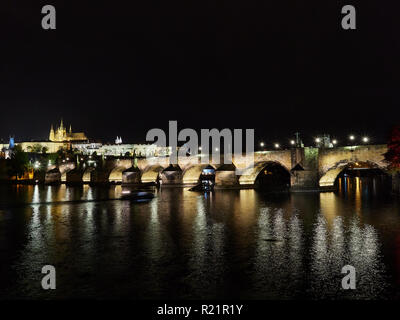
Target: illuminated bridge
{"points": [[306, 168]]}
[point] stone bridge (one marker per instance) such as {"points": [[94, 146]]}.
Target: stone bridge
{"points": [[309, 168], [331, 162]]}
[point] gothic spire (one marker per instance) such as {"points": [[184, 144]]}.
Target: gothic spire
{"points": [[51, 135]]}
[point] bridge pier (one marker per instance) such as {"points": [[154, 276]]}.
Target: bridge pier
{"points": [[74, 177], [225, 177], [305, 180], [53, 176], [172, 175], [99, 177], [304, 173], [131, 176]]}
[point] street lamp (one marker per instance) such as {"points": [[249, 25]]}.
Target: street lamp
{"points": [[216, 149], [365, 139], [276, 145], [317, 140], [334, 141], [292, 142], [351, 137], [261, 144]]}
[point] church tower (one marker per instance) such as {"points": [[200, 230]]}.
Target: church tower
{"points": [[62, 134], [52, 135]]}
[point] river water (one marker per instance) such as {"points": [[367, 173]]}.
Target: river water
{"points": [[227, 244]]}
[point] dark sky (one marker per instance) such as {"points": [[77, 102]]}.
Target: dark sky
{"points": [[121, 68]]}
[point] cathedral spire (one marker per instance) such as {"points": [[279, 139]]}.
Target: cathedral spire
{"points": [[51, 135], [70, 129], [61, 124]]}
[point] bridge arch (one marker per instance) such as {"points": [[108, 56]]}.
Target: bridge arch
{"points": [[116, 175], [87, 174], [328, 179], [151, 174], [64, 169], [192, 174], [250, 175]]}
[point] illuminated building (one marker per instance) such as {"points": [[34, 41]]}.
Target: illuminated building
{"points": [[61, 134]]}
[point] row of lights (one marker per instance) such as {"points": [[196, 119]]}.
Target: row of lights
{"points": [[318, 140], [364, 139]]}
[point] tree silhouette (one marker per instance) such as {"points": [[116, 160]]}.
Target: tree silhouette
{"points": [[19, 162], [393, 154]]}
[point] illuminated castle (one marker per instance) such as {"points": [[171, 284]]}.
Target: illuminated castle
{"points": [[61, 134]]}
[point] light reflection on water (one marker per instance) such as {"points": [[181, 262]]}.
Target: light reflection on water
{"points": [[232, 244]]}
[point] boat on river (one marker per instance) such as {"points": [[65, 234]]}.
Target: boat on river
{"points": [[137, 195]]}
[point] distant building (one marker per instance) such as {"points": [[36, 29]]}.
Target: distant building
{"points": [[77, 141], [118, 149], [61, 134]]}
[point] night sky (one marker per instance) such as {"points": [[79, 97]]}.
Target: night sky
{"points": [[114, 68]]}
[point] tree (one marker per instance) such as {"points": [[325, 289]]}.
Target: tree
{"points": [[37, 148], [45, 149], [19, 162], [52, 158], [393, 154]]}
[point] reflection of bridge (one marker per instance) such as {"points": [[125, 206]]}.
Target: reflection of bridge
{"points": [[308, 168]]}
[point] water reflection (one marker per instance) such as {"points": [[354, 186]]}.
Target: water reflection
{"points": [[357, 246], [232, 244]]}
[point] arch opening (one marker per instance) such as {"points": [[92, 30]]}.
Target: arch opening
{"points": [[273, 177], [198, 173], [116, 175], [356, 177], [152, 174]]}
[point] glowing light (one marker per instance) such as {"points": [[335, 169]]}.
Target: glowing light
{"points": [[292, 142], [351, 137], [261, 144], [277, 145], [216, 149], [365, 139], [317, 140], [200, 148], [334, 141]]}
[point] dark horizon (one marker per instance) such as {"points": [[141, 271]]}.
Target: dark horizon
{"points": [[279, 68]]}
